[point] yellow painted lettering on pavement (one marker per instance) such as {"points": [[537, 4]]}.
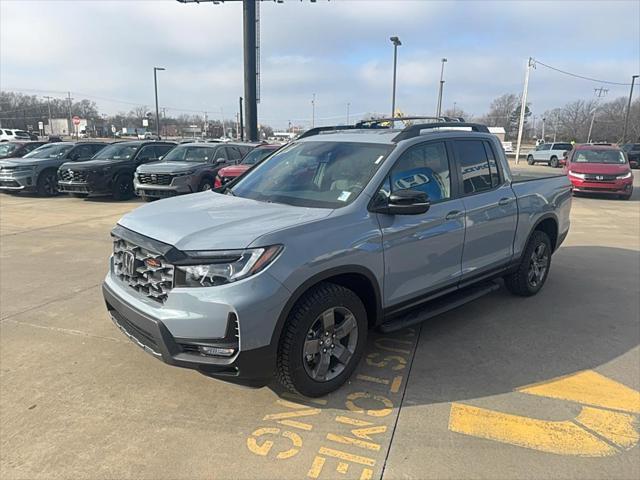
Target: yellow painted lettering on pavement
{"points": [[589, 388], [562, 438]]}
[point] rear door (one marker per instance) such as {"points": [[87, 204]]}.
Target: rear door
{"points": [[542, 152], [491, 211], [422, 253]]}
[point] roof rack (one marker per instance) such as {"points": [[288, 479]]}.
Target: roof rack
{"points": [[317, 130], [415, 130], [379, 122]]}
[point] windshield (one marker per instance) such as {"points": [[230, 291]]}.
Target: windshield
{"points": [[189, 154], [631, 146], [599, 156], [314, 174], [256, 156], [7, 148], [50, 151], [117, 152]]}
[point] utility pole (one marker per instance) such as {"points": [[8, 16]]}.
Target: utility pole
{"points": [[313, 111], [348, 105], [523, 107], [626, 117], [224, 128], [49, 108], [598, 92], [396, 43], [69, 122], [205, 127], [250, 68], [155, 84], [543, 120], [555, 128], [241, 122], [439, 110]]}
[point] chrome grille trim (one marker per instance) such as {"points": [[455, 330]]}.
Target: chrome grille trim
{"points": [[69, 175], [153, 282], [155, 178]]}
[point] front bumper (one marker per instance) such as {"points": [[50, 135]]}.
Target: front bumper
{"points": [[89, 187], [172, 331], [616, 187], [179, 186], [16, 181]]}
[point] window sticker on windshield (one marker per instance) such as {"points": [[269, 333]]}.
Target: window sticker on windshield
{"points": [[379, 159], [344, 196]]}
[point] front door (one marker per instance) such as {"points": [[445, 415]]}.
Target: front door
{"points": [[422, 253], [491, 210]]}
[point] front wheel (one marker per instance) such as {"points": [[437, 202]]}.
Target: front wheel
{"points": [[533, 270], [205, 184], [122, 188], [322, 341], [530, 160], [554, 162], [47, 185]]}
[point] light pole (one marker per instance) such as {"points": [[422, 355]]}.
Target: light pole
{"points": [[155, 84], [396, 43], [439, 111], [348, 105], [313, 111], [543, 120], [626, 117]]}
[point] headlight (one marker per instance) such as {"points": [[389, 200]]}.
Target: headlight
{"points": [[23, 168], [626, 175], [219, 268], [577, 175], [183, 174]]}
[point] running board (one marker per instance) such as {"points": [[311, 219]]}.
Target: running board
{"points": [[440, 306]]}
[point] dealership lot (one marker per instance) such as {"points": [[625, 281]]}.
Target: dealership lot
{"points": [[502, 387]]}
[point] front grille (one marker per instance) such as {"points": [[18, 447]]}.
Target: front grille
{"points": [[599, 178], [155, 178], [143, 270], [68, 175]]}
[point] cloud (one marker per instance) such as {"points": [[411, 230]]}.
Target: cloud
{"points": [[339, 50]]}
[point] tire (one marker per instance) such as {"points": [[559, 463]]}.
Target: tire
{"points": [[47, 184], [554, 162], [301, 357], [79, 195], [521, 282], [122, 188], [530, 160], [205, 184]]}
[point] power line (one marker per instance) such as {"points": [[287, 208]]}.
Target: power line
{"points": [[538, 62]]}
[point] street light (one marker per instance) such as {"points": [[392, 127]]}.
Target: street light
{"points": [[155, 84], [396, 43], [439, 111], [626, 117]]}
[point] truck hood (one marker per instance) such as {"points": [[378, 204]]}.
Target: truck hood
{"points": [[17, 161], [603, 168], [168, 167], [212, 221], [233, 171]]}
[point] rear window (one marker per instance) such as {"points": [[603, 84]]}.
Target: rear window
{"points": [[562, 146]]}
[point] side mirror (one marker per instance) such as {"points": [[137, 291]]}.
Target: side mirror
{"points": [[565, 154], [221, 160], [160, 157], [405, 202]]}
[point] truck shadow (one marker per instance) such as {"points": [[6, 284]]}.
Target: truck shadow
{"points": [[586, 315]]}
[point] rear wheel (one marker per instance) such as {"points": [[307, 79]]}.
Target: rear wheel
{"points": [[554, 162], [47, 185], [205, 184], [530, 160], [533, 270], [122, 188], [323, 340], [79, 195]]}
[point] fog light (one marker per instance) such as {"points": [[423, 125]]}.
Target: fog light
{"points": [[218, 351]]}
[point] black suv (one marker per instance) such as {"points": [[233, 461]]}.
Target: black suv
{"points": [[633, 153], [110, 172]]}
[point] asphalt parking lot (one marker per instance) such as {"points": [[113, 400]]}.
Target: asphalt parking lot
{"points": [[504, 387]]}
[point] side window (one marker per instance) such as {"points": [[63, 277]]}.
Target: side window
{"points": [[493, 165], [162, 150], [234, 154], [28, 147], [96, 147], [244, 150], [474, 166], [425, 168], [221, 153], [80, 152], [545, 146], [147, 153]]}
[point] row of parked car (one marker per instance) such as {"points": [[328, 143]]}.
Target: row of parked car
{"points": [[150, 169], [592, 168]]}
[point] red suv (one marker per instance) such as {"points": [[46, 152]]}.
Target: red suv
{"points": [[255, 156], [599, 169]]}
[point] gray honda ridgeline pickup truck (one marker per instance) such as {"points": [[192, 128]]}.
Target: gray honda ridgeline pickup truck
{"points": [[281, 272]]}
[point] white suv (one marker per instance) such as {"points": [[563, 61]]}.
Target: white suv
{"points": [[549, 153], [7, 135]]}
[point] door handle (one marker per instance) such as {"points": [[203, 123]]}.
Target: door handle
{"points": [[453, 215], [505, 201]]}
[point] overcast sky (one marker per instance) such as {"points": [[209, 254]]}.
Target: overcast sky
{"points": [[339, 50]]}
